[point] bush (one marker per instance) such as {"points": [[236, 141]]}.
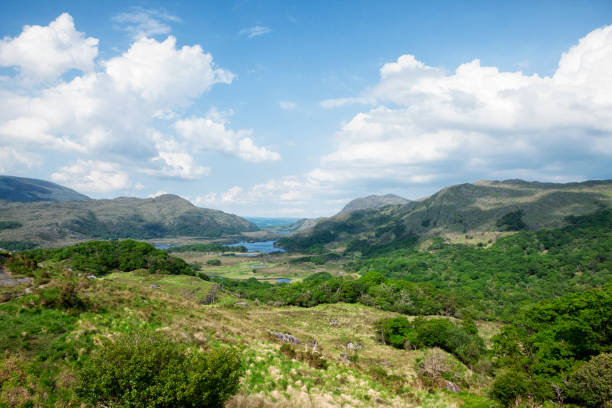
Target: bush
{"points": [[213, 262], [152, 370], [508, 387], [420, 333], [591, 383]]}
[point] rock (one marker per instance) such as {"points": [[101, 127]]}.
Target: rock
{"points": [[155, 287], [451, 386], [92, 277], [333, 323], [284, 337], [244, 304], [353, 347]]}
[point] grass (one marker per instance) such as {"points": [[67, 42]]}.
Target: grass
{"points": [[268, 267], [45, 346]]}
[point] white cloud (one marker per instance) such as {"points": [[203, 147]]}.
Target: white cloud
{"points": [[11, 159], [140, 22], [211, 133], [287, 105], [112, 114], [255, 31], [157, 194], [158, 71], [44, 53], [178, 165], [92, 176], [428, 125]]}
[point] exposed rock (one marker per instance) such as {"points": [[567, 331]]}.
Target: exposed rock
{"points": [[353, 347], [245, 304], [92, 277], [284, 337], [155, 287], [451, 386], [334, 323]]}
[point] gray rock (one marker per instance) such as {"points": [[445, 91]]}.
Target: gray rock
{"points": [[451, 386], [155, 287], [284, 337]]}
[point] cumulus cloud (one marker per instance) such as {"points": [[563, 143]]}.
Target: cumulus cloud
{"points": [[11, 159], [44, 53], [427, 124], [158, 71], [111, 112], [255, 31], [92, 176], [211, 133], [140, 22]]}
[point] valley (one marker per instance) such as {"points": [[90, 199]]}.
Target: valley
{"points": [[357, 310]]}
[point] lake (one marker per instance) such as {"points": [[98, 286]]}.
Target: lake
{"points": [[264, 247]]}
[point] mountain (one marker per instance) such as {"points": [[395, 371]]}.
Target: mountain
{"points": [[27, 190], [374, 201], [123, 217], [482, 207]]}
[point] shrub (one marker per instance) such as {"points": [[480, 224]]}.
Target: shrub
{"points": [[420, 333], [152, 370], [213, 262], [591, 383], [508, 387]]}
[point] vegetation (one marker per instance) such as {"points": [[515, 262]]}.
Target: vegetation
{"points": [[461, 341], [153, 370], [513, 221], [545, 345], [17, 245], [9, 225], [102, 257]]}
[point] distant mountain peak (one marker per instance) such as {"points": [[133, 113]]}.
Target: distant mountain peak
{"points": [[374, 201], [25, 190]]}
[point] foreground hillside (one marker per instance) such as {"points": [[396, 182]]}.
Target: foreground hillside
{"points": [[26, 190], [167, 215], [122, 324], [71, 310], [475, 212]]}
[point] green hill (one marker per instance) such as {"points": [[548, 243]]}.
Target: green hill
{"points": [[484, 209], [123, 217], [27, 190], [374, 201]]}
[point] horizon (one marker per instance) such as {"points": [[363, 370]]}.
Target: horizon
{"points": [[291, 110]]}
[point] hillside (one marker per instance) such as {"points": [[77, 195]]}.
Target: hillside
{"points": [[484, 210], [25, 190], [163, 216], [373, 201]]}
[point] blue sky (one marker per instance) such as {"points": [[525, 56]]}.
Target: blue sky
{"points": [[294, 108]]}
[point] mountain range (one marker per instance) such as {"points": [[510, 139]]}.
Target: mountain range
{"points": [[41, 212], [460, 210]]}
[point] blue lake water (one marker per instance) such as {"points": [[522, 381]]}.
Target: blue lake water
{"points": [[163, 246], [264, 247]]}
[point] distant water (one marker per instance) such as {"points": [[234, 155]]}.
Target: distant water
{"points": [[163, 246], [262, 222], [283, 280], [264, 247]]}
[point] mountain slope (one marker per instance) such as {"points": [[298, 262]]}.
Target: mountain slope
{"points": [[482, 207], [374, 201], [166, 215], [27, 190]]}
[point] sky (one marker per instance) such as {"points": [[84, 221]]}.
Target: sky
{"points": [[293, 108]]}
